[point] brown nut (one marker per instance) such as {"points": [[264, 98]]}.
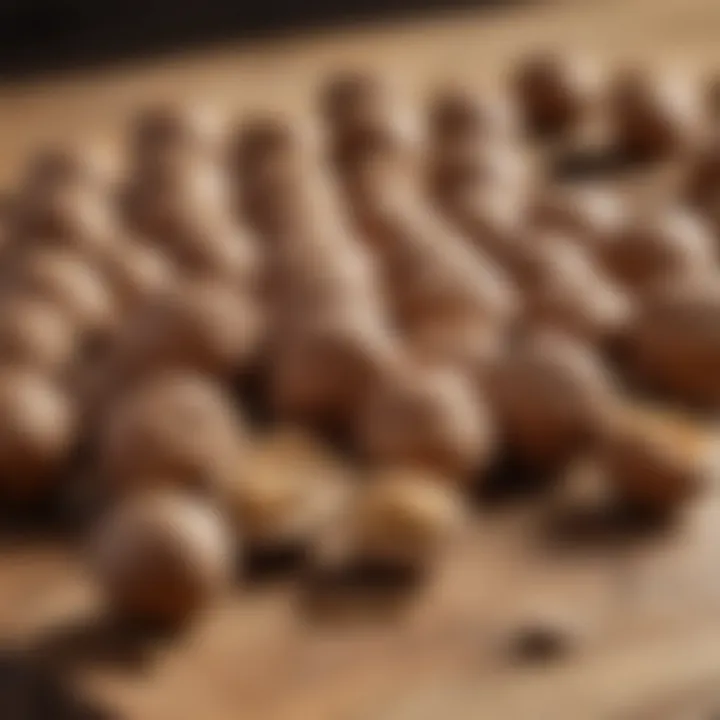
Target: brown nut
{"points": [[307, 276], [88, 167], [456, 112], [494, 221], [269, 160], [168, 135], [404, 516], [653, 117], [462, 168], [462, 343], [588, 216], [322, 367], [37, 433], [549, 395], [68, 217], [570, 293], [434, 270], [175, 206], [660, 247], [66, 279], [555, 92], [162, 558], [366, 122], [261, 141], [427, 416], [353, 98], [285, 490], [138, 271], [655, 461], [673, 344], [173, 428], [198, 324], [218, 249], [702, 181], [36, 334]]}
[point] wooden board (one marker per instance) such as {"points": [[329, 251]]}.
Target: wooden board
{"points": [[647, 607]]}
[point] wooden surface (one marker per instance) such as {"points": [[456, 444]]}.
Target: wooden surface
{"points": [[646, 607]]}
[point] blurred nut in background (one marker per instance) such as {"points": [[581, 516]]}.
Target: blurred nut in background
{"points": [[200, 325], [588, 216], [36, 333], [456, 112], [74, 285], [655, 462], [167, 135], [38, 432], [653, 117], [657, 247], [555, 92], [673, 345]]}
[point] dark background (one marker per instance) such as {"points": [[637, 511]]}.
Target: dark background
{"points": [[40, 36]]}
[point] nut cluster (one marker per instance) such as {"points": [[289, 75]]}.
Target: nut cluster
{"points": [[428, 292]]}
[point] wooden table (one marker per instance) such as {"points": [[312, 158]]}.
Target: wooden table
{"points": [[647, 608]]}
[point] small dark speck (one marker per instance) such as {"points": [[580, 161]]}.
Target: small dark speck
{"points": [[540, 642]]}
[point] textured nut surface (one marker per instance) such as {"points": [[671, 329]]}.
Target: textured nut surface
{"points": [[549, 395], [429, 416], [37, 433], [177, 427], [653, 116], [404, 515], [653, 249], [162, 557], [64, 278], [555, 91], [653, 461], [36, 333], [200, 325]]}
